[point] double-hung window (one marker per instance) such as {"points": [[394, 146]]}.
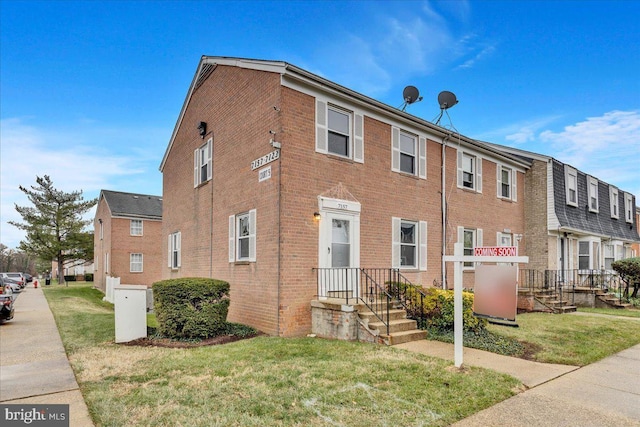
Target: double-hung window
{"points": [[628, 208], [202, 163], [571, 185], [135, 263], [409, 244], [471, 238], [408, 153], [613, 202], [339, 131], [609, 256], [593, 194], [584, 255], [135, 228], [506, 178], [242, 237], [174, 260], [469, 171]]}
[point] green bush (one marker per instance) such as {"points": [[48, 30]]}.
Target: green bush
{"points": [[191, 308], [88, 277], [69, 278], [629, 271], [437, 306]]}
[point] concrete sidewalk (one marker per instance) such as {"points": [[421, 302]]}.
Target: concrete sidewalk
{"points": [[33, 364], [605, 393]]}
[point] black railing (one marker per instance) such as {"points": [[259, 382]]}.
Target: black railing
{"points": [[356, 286], [561, 281]]}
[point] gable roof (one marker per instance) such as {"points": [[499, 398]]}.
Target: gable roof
{"points": [[133, 205], [208, 64]]}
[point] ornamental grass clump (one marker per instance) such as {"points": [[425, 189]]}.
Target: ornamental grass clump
{"points": [[191, 308]]}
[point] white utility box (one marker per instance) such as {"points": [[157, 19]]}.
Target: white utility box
{"points": [[130, 304]]}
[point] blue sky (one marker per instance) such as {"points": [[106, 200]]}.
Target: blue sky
{"points": [[90, 90]]}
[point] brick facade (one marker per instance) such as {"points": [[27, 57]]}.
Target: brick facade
{"points": [[241, 105]]}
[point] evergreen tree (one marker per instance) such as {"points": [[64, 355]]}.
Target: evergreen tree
{"points": [[54, 224]]}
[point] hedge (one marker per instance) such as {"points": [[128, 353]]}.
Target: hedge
{"points": [[191, 308]]}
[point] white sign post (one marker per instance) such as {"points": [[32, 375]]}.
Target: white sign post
{"points": [[459, 258]]}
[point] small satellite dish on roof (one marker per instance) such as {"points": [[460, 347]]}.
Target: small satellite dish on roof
{"points": [[447, 99], [410, 94]]}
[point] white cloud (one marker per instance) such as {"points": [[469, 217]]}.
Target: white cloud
{"points": [[521, 132], [75, 160]]}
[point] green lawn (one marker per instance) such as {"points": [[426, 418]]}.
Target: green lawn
{"points": [[629, 312], [570, 339], [263, 381]]}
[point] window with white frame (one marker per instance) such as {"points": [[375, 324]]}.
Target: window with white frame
{"points": [[593, 194], [174, 252], [339, 131], [135, 228], [409, 244], [571, 184], [408, 153], [628, 207], [505, 239], [613, 202], [506, 178], [469, 171], [202, 163], [242, 237], [584, 255], [101, 230], [135, 263], [609, 256], [471, 238]]}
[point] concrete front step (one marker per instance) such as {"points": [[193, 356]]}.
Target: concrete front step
{"points": [[405, 336], [401, 325], [567, 308], [394, 314]]}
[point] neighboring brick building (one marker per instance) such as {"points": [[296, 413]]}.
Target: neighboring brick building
{"points": [[356, 183], [635, 248], [574, 221], [128, 238]]}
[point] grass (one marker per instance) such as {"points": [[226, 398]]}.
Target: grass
{"points": [[572, 340], [263, 381], [612, 311]]}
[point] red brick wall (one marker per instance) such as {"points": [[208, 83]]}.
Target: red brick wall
{"points": [[101, 246]]}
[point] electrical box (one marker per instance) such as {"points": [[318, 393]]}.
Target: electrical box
{"points": [[130, 312]]}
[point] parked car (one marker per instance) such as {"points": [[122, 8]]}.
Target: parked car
{"points": [[6, 302], [11, 284], [28, 277], [16, 277]]}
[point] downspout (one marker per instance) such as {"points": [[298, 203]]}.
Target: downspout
{"points": [[279, 239], [444, 214], [211, 215]]}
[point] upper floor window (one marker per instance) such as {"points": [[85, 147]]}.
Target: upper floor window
{"points": [[614, 203], [242, 237], [571, 185], [101, 229], [408, 153], [135, 228], [135, 263], [469, 171], [593, 194], [174, 250], [339, 131], [202, 163], [409, 244], [628, 207], [506, 179]]}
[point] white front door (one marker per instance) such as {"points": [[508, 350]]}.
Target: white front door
{"points": [[339, 250]]}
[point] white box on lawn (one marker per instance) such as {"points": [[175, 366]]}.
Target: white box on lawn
{"points": [[130, 312]]}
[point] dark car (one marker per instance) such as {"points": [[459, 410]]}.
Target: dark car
{"points": [[28, 277]]}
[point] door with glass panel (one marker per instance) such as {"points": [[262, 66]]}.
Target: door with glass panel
{"points": [[338, 251]]}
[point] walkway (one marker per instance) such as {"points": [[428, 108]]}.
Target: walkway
{"points": [[34, 368]]}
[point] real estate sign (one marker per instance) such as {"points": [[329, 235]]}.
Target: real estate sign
{"points": [[496, 292]]}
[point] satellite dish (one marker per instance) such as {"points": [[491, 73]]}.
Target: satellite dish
{"points": [[447, 99], [410, 94]]}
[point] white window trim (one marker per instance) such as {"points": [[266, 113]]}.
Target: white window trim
{"points": [[477, 237], [198, 163], [628, 208], [131, 263], [234, 236], [174, 246], [421, 244], [131, 227], [477, 173], [513, 184], [591, 181], [420, 150], [571, 174], [614, 201], [356, 130]]}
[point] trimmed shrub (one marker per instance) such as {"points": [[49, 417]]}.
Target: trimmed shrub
{"points": [[191, 308], [69, 278], [88, 277], [438, 308], [629, 271]]}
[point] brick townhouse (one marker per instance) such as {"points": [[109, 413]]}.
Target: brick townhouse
{"points": [[128, 238], [575, 223], [272, 172]]}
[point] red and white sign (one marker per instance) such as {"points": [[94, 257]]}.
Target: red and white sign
{"points": [[496, 251]]}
